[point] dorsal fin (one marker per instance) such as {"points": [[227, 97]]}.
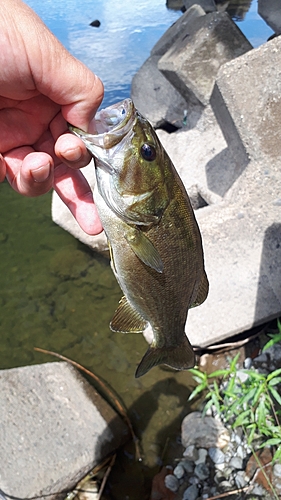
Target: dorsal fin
{"points": [[126, 319]]}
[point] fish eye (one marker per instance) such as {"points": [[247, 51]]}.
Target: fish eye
{"points": [[148, 152]]}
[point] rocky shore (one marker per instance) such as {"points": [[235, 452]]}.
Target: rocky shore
{"points": [[217, 461]]}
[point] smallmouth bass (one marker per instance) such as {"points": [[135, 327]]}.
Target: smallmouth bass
{"points": [[155, 243]]}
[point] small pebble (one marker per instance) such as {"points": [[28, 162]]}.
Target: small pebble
{"points": [[236, 462], [277, 470], [179, 471], [191, 453], [277, 486], [187, 465], [191, 493], [172, 483], [202, 456], [220, 466], [243, 377], [248, 363], [240, 452], [258, 490], [225, 486], [237, 439], [216, 455], [193, 480], [201, 471], [219, 477], [240, 479]]}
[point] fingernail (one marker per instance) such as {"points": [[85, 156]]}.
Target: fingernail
{"points": [[41, 174], [74, 154]]}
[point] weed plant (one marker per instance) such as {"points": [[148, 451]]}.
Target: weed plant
{"points": [[247, 399]]}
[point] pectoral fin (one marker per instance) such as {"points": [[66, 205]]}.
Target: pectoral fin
{"points": [[202, 292], [126, 319], [144, 249]]}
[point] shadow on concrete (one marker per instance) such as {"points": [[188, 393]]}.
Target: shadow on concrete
{"points": [[221, 172], [268, 301]]}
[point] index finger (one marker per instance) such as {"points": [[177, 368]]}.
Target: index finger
{"points": [[75, 192]]}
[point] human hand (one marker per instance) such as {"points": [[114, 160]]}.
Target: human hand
{"points": [[41, 88]]}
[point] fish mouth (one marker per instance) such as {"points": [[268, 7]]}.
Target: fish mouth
{"points": [[108, 128]]}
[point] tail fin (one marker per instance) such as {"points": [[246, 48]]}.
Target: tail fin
{"points": [[180, 357]]}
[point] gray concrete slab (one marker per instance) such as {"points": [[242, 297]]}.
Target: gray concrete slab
{"points": [[176, 30], [54, 428], [162, 101], [249, 90], [192, 62]]}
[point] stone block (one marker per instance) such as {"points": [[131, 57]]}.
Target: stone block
{"points": [[54, 428], [247, 102], [174, 4], [155, 97], [175, 31], [192, 62], [207, 5]]}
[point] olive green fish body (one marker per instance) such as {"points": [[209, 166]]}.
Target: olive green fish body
{"points": [[155, 244]]}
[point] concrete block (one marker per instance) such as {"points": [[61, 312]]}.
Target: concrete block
{"points": [[54, 428], [242, 246], [207, 5], [247, 102], [156, 98], [270, 11], [175, 31], [193, 61], [174, 4]]}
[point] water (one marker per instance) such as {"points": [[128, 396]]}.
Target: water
{"points": [[128, 31], [116, 49], [57, 294]]}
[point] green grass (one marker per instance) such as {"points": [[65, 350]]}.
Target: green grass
{"points": [[246, 399]]}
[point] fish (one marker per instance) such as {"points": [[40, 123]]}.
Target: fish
{"points": [[154, 240]]}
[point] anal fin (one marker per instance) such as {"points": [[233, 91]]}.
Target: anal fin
{"points": [[126, 319]]}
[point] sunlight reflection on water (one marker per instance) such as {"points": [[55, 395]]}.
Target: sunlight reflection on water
{"points": [[116, 49], [128, 31]]}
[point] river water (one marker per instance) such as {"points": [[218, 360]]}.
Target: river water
{"points": [[57, 294]]}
